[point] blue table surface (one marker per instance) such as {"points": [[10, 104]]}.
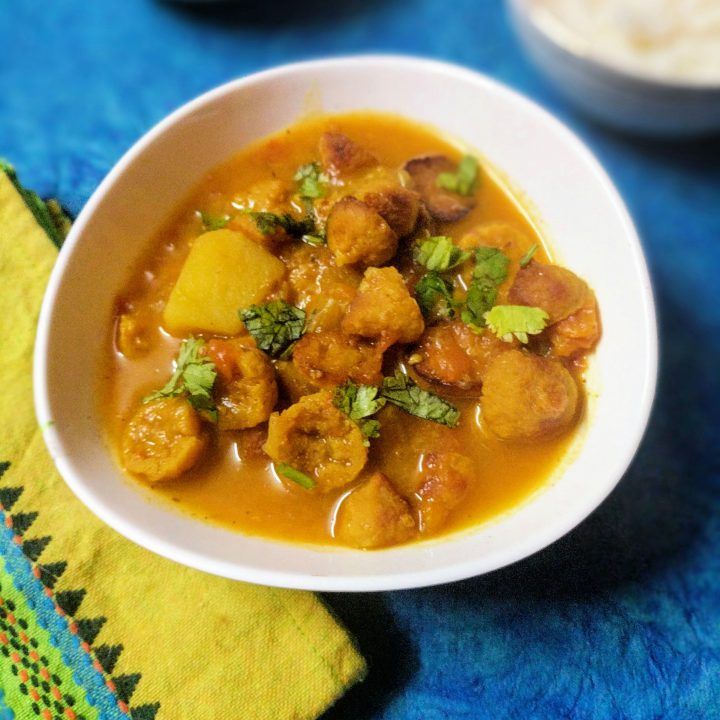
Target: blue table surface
{"points": [[619, 619]]}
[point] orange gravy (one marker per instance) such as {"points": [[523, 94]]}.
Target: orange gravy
{"points": [[240, 490]]}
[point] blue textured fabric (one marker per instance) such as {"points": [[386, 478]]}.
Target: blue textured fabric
{"points": [[5, 712], [620, 619]]}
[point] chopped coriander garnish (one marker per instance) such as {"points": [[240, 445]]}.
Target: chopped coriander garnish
{"points": [[491, 267], [490, 263], [274, 326], [213, 222], [528, 256], [359, 402], [434, 295], [410, 397], [439, 253], [480, 298], [194, 377], [268, 223], [291, 473], [464, 180], [311, 181], [508, 321]]}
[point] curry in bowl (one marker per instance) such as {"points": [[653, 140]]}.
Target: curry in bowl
{"points": [[350, 333]]}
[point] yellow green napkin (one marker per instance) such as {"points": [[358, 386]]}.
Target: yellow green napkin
{"points": [[94, 627]]}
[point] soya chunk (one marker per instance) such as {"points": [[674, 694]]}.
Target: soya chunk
{"points": [[404, 440], [293, 383], [398, 206], [384, 308], [313, 436], [447, 476], [525, 396], [452, 354], [443, 205], [250, 443], [341, 155], [577, 333], [245, 389], [162, 440], [559, 292], [133, 333], [269, 195], [330, 358], [317, 284], [374, 515], [500, 235], [357, 234]]}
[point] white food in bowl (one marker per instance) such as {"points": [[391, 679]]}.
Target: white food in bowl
{"points": [[677, 40], [588, 57], [583, 218]]}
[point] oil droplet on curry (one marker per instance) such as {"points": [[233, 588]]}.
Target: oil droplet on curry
{"points": [[349, 333]]}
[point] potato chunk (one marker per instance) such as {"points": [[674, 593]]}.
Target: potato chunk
{"points": [[245, 389], [374, 515], [558, 291], [318, 439], [224, 271], [447, 476], [358, 234], [384, 308], [396, 205], [341, 155], [577, 333], [442, 204], [330, 358], [454, 355], [162, 440], [525, 396]]}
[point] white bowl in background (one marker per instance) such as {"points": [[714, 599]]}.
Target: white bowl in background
{"points": [[584, 219], [611, 93]]}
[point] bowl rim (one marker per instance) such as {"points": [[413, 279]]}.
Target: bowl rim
{"points": [[303, 580], [572, 45]]}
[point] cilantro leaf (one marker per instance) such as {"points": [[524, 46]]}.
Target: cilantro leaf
{"points": [[370, 429], [508, 321], [291, 473], [401, 391], [434, 295], [491, 268], [480, 298], [491, 264], [268, 222], [464, 180], [359, 402], [193, 377], [312, 182], [439, 253], [213, 222], [275, 326], [528, 256]]}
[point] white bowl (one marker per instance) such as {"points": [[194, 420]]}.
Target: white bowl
{"points": [[582, 213], [611, 93]]}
